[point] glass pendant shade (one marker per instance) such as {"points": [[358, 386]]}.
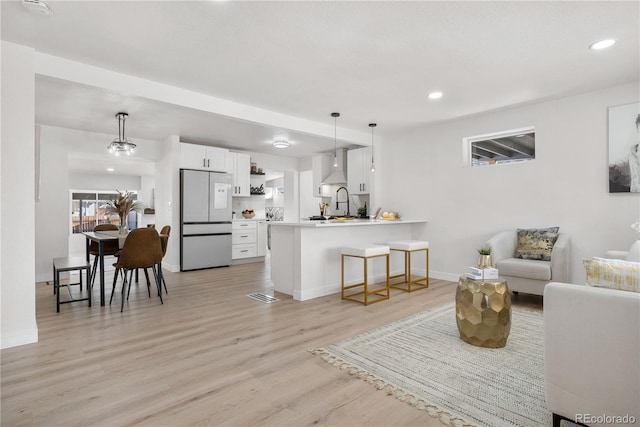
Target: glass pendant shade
{"points": [[121, 145]]}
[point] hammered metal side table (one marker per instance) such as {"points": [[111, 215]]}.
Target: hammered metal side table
{"points": [[483, 312]]}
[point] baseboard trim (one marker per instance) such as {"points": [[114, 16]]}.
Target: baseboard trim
{"points": [[15, 339], [441, 275]]}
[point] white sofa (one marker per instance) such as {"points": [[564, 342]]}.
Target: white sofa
{"points": [[525, 275], [592, 353]]}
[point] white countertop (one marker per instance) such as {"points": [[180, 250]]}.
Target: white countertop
{"points": [[349, 222], [248, 219]]}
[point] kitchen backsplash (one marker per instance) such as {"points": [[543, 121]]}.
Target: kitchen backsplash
{"points": [[275, 213]]}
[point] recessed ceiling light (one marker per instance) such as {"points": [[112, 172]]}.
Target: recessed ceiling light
{"points": [[280, 143], [435, 95], [602, 44], [110, 169]]}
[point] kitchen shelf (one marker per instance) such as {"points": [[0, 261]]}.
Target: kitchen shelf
{"points": [[256, 173], [257, 194]]}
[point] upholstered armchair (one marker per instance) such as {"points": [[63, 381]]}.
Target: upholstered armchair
{"points": [[633, 254], [527, 275]]}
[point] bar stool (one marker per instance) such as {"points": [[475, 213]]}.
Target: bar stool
{"points": [[366, 253], [70, 264], [409, 247]]}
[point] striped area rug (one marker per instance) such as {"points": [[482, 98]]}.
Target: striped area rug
{"points": [[422, 360]]}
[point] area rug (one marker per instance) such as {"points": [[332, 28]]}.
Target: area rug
{"points": [[422, 360]]}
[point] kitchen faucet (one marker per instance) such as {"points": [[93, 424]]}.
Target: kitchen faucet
{"points": [[338, 203]]}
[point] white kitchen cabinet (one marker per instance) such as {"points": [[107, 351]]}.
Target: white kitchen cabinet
{"points": [[261, 238], [239, 164], [321, 168], [249, 239], [193, 156], [358, 170], [243, 239]]}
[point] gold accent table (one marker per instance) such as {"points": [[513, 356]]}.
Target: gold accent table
{"points": [[483, 311]]}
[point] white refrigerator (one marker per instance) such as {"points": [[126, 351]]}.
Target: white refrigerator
{"points": [[205, 219]]}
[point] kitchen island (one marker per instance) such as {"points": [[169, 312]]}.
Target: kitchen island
{"points": [[305, 256]]}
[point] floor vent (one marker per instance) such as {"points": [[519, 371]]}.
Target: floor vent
{"points": [[267, 299]]}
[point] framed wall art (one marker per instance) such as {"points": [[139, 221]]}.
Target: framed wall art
{"points": [[624, 148]]}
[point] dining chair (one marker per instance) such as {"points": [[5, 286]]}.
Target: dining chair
{"points": [[110, 248], [142, 249], [164, 240]]}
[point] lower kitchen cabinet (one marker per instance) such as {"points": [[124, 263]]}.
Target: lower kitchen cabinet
{"points": [[249, 239], [243, 251]]}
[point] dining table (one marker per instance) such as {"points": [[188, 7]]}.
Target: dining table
{"points": [[100, 238]]}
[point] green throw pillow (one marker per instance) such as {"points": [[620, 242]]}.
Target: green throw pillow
{"points": [[536, 243]]}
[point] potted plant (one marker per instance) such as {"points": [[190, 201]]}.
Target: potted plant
{"points": [[485, 257], [122, 205]]}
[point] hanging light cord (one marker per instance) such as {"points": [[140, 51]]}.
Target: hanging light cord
{"points": [[373, 168], [335, 138]]}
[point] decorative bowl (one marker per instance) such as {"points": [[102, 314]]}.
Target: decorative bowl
{"points": [[248, 216]]}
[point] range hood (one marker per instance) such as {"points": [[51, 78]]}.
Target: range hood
{"points": [[338, 174]]}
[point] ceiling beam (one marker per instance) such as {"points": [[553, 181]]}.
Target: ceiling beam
{"points": [[65, 69]]}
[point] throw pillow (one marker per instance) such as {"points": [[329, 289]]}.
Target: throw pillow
{"points": [[613, 273], [536, 243]]}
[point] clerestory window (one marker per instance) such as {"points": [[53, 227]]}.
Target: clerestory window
{"points": [[512, 146]]}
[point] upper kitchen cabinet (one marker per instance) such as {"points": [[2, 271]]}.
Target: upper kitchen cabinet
{"points": [[239, 164], [201, 157], [358, 171], [321, 168]]}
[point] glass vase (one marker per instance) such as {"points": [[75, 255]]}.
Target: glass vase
{"points": [[123, 224]]}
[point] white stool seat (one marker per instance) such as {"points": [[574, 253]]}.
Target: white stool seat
{"points": [[409, 245], [366, 251]]}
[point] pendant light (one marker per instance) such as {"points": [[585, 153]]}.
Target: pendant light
{"points": [[335, 138], [121, 144], [373, 166]]}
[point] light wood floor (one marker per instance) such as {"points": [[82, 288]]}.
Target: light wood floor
{"points": [[208, 356]]}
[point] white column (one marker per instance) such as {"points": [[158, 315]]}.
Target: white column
{"points": [[17, 211]]}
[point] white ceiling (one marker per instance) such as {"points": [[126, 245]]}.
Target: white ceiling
{"points": [[373, 61]]}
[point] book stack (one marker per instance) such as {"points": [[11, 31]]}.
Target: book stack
{"points": [[488, 273]]}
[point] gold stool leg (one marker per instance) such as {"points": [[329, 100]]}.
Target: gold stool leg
{"points": [[342, 266], [388, 285], [427, 265], [366, 278], [408, 256]]}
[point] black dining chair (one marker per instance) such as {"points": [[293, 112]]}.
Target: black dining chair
{"points": [[111, 248], [164, 241]]}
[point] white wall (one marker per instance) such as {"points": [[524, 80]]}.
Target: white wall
{"points": [[52, 211], [566, 185], [308, 203], [17, 183]]}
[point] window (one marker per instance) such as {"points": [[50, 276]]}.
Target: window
{"points": [[87, 211], [513, 146]]}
